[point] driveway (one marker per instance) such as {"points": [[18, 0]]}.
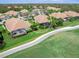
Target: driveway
{"points": [[36, 41]]}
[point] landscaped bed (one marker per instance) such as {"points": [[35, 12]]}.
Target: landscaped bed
{"points": [[65, 44]]}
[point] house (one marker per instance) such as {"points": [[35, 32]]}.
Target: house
{"points": [[3, 18], [36, 12], [59, 16], [11, 13], [1, 14], [42, 20], [35, 7], [71, 14], [24, 13], [53, 8], [9, 7], [20, 6], [16, 7], [17, 27]]}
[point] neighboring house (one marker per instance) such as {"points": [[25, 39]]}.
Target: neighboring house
{"points": [[3, 18], [11, 13], [53, 8], [17, 27], [24, 13], [36, 12], [42, 20], [20, 6], [9, 7], [59, 16], [71, 14], [16, 7], [35, 7], [1, 14]]}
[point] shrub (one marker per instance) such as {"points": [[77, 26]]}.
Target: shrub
{"points": [[29, 30], [71, 19], [34, 26], [60, 22]]}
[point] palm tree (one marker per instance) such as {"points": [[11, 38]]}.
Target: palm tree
{"points": [[53, 22]]}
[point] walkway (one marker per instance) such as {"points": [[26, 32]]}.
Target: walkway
{"points": [[36, 41]]}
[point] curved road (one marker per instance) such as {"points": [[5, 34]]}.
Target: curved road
{"points": [[36, 41]]}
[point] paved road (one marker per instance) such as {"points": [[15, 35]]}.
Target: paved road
{"points": [[36, 41]]}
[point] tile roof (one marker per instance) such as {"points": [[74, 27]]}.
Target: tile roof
{"points": [[41, 18], [71, 13], [16, 23], [11, 13], [59, 15]]}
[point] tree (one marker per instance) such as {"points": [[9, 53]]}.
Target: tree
{"points": [[34, 26], [55, 22], [1, 39]]}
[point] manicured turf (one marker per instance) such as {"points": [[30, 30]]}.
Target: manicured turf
{"points": [[65, 44], [1, 28], [12, 42], [73, 23]]}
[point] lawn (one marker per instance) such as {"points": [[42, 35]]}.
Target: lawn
{"points": [[13, 42], [65, 44], [73, 23]]}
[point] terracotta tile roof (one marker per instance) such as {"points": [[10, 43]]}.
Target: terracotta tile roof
{"points": [[53, 8], [15, 23], [41, 18], [71, 13], [59, 15], [11, 13]]}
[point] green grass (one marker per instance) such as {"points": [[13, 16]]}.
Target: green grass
{"points": [[73, 23], [65, 44], [13, 42], [1, 28]]}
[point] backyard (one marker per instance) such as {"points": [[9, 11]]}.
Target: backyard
{"points": [[65, 44], [13, 42]]}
